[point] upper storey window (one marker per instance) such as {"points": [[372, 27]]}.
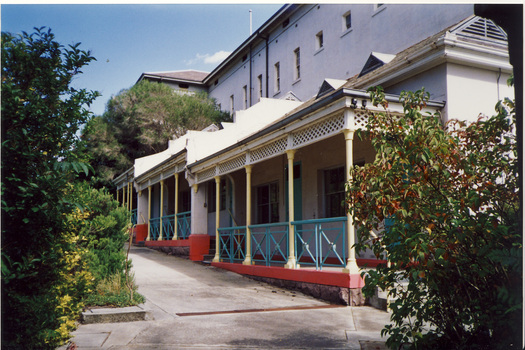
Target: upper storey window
{"points": [[347, 21], [319, 42], [260, 84], [245, 96], [297, 56], [277, 70]]}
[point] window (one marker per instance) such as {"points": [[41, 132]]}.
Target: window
{"points": [[319, 40], [245, 95], [184, 86], [267, 203], [260, 83], [378, 8], [347, 21], [297, 54], [232, 104], [212, 196], [277, 77], [334, 192]]}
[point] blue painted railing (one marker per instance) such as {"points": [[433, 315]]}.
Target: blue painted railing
{"points": [[184, 225], [270, 243], [168, 226], [321, 242], [154, 228], [232, 244], [134, 217]]}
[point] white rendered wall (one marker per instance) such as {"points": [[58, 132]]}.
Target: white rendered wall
{"points": [[473, 91]]}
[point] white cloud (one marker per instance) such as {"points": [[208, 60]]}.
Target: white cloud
{"points": [[209, 59]]}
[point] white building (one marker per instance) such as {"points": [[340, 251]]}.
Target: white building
{"points": [[297, 87]]}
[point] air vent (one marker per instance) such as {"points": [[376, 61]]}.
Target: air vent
{"points": [[481, 28]]}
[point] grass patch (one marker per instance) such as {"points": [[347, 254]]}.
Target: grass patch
{"points": [[113, 292]]}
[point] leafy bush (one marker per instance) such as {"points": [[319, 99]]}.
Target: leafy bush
{"points": [[103, 231], [43, 275], [59, 237], [449, 197], [113, 291]]}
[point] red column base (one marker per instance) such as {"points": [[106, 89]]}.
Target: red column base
{"points": [[141, 232], [199, 246]]}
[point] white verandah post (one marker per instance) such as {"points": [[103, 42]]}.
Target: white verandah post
{"points": [[291, 263], [248, 258], [176, 228], [351, 262]]}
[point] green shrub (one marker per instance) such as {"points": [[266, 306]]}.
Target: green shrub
{"points": [[43, 275], [450, 197], [113, 291], [103, 232]]}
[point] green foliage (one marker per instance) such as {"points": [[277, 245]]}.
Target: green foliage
{"points": [[139, 121], [450, 197], [112, 291], [43, 277], [103, 230]]}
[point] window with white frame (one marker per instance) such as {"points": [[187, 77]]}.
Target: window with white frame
{"points": [[297, 57], [277, 69], [245, 96], [319, 42], [260, 85], [267, 209], [334, 192], [347, 21]]}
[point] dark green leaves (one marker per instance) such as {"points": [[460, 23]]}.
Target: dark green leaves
{"points": [[453, 240]]}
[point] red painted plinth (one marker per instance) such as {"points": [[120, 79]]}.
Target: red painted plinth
{"points": [[168, 243], [141, 232], [329, 278], [199, 246]]}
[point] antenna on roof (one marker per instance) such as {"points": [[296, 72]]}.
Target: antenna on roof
{"points": [[251, 31]]}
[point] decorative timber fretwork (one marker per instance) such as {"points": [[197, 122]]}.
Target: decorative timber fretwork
{"points": [[360, 119], [232, 164], [269, 150], [206, 174], [318, 131], [300, 137]]}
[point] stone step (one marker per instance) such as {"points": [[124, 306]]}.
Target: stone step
{"points": [[113, 315]]}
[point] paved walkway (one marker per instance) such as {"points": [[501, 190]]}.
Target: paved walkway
{"points": [[194, 306]]}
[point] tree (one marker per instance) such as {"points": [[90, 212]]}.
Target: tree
{"points": [[139, 121], [43, 277], [446, 201]]}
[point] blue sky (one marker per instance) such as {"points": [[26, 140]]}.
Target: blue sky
{"points": [[129, 39]]}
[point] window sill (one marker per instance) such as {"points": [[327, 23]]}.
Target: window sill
{"points": [[321, 49], [296, 81], [349, 30], [276, 93], [378, 10]]}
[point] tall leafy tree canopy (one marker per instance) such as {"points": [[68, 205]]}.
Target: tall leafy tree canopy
{"points": [[443, 202], [139, 121], [41, 115]]}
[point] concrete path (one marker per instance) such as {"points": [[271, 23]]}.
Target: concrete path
{"points": [[193, 306]]}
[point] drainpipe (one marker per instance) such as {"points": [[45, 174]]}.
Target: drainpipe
{"points": [[267, 63], [250, 93]]}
